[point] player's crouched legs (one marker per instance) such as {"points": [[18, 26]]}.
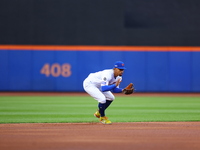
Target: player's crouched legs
{"points": [[109, 98], [103, 103], [103, 119], [107, 104], [102, 107]]}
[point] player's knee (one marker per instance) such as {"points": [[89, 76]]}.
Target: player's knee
{"points": [[111, 98], [103, 101]]}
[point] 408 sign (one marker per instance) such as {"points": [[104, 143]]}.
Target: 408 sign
{"points": [[56, 70]]}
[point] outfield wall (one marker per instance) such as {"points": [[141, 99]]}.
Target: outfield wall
{"points": [[63, 68]]}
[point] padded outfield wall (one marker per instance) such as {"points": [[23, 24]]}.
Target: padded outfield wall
{"points": [[63, 68]]}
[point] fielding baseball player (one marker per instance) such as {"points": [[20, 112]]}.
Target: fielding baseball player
{"points": [[100, 86]]}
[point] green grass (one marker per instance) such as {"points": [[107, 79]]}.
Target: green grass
{"points": [[80, 109]]}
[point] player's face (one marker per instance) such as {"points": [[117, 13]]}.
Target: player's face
{"points": [[118, 72]]}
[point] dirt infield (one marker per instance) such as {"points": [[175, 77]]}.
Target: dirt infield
{"points": [[96, 136]]}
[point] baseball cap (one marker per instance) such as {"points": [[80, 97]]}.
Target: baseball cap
{"points": [[119, 65]]}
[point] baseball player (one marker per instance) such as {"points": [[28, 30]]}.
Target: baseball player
{"points": [[100, 86]]}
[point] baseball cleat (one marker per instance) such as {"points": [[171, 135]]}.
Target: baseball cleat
{"points": [[97, 114], [105, 120]]}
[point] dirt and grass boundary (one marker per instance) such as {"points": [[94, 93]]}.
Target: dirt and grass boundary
{"points": [[85, 94], [90, 136]]}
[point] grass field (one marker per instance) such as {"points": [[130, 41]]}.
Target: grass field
{"points": [[58, 109]]}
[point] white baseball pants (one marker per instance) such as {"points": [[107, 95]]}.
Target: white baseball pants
{"points": [[96, 93]]}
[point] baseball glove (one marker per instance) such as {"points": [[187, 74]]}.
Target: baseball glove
{"points": [[129, 89]]}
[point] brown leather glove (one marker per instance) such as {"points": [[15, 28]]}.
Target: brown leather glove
{"points": [[129, 89]]}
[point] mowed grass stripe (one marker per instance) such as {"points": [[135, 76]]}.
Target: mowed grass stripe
{"points": [[57, 109]]}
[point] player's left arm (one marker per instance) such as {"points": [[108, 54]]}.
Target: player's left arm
{"points": [[117, 89], [108, 87], [105, 87]]}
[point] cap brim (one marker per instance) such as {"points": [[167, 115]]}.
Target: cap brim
{"points": [[121, 67]]}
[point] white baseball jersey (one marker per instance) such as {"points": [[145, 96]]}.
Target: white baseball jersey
{"points": [[92, 84], [101, 78]]}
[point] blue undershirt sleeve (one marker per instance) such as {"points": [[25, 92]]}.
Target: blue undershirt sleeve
{"points": [[107, 87], [117, 90]]}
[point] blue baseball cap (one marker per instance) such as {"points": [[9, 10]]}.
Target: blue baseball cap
{"points": [[119, 65]]}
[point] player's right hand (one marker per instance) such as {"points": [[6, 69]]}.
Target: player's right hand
{"points": [[118, 82]]}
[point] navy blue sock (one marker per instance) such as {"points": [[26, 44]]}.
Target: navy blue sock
{"points": [[108, 103], [102, 109]]}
